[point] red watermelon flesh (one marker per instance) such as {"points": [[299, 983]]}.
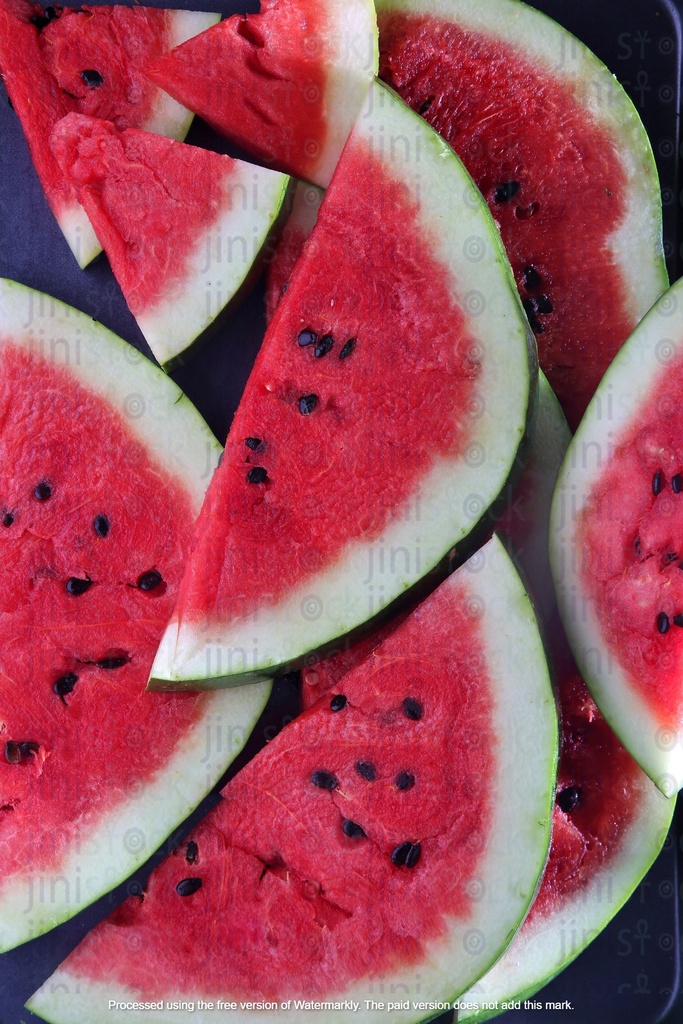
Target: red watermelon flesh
{"points": [[87, 60], [300, 222], [552, 174]]}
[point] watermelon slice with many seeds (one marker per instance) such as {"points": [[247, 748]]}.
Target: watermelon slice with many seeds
{"points": [[562, 158], [58, 59], [382, 418], [103, 464], [316, 873]]}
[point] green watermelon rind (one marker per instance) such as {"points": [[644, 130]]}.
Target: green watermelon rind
{"points": [[637, 243], [171, 429], [457, 495], [657, 746], [522, 801]]}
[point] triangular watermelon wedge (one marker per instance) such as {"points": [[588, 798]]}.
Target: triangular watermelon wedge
{"points": [[181, 226], [381, 420], [425, 775], [58, 59], [286, 83]]}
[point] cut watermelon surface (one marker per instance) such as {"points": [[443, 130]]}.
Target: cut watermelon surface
{"points": [[561, 157], [315, 874], [58, 59], [392, 341], [615, 544], [181, 226], [104, 467], [286, 84], [303, 215]]}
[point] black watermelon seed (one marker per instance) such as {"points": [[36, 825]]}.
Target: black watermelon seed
{"points": [[42, 491], [65, 684], [662, 622], [149, 580], [568, 798], [413, 855], [188, 886], [76, 587], [307, 338], [506, 191], [307, 404], [543, 304], [677, 483], [348, 348], [338, 702], [12, 752], [40, 22], [8, 519], [113, 661], [638, 546], [93, 79], [324, 780], [400, 854], [424, 107], [257, 475], [367, 770], [28, 748], [253, 443], [352, 829], [657, 482], [670, 557], [191, 852], [51, 13], [101, 525], [323, 346], [404, 780], [677, 620], [412, 708], [532, 278]]}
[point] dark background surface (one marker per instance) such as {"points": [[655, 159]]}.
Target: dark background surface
{"points": [[631, 973]]}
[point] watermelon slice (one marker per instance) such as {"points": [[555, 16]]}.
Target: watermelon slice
{"points": [[285, 84], [57, 59], [381, 420], [103, 467], [302, 216], [616, 534], [316, 873], [561, 156], [181, 226]]}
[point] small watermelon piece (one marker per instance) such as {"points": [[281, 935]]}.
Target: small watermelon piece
{"points": [[317, 872], [561, 156], [616, 544], [181, 226], [286, 84], [103, 467], [59, 59], [381, 420]]}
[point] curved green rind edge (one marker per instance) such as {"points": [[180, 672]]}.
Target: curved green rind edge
{"points": [[541, 38], [107, 365], [519, 836], [168, 673], [657, 340]]}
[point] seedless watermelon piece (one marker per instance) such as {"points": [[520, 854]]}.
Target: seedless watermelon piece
{"points": [[381, 420], [181, 226], [286, 84], [317, 872], [616, 544], [104, 464], [57, 59], [562, 158]]}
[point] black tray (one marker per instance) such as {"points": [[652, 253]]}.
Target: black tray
{"points": [[631, 973]]}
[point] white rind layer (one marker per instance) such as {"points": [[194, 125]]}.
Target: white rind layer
{"points": [[454, 495], [637, 243], [224, 254], [101, 853], [168, 118], [522, 792], [658, 339]]}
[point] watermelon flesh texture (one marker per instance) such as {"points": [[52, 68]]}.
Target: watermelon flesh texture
{"points": [[87, 60], [561, 157], [95, 533], [300, 221], [285, 84], [301, 845], [343, 406], [181, 226]]}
